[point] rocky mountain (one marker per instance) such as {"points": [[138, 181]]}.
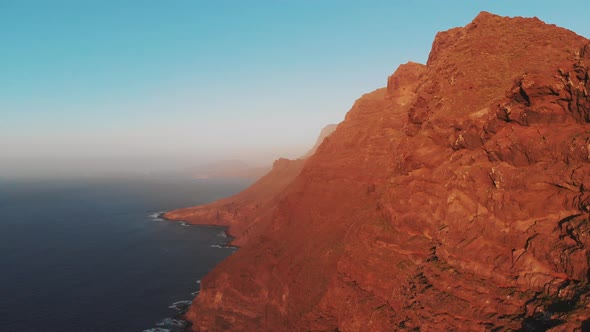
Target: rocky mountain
{"points": [[245, 213], [455, 199]]}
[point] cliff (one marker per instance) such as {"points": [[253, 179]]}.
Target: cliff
{"points": [[454, 199], [246, 213]]}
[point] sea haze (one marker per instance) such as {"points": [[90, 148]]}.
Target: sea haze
{"points": [[86, 255]]}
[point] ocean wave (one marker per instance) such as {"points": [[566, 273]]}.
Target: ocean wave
{"points": [[222, 234], [222, 246], [180, 305], [157, 329], [184, 224], [195, 293], [171, 322], [157, 216]]}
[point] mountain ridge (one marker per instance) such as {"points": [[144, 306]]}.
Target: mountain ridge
{"points": [[242, 212], [455, 198]]}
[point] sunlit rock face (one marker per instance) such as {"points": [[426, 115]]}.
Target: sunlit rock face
{"points": [[455, 199]]}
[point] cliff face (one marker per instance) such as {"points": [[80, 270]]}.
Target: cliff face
{"points": [[454, 199], [246, 213]]}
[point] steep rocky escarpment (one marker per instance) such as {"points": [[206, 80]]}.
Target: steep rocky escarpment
{"points": [[246, 213], [455, 199]]}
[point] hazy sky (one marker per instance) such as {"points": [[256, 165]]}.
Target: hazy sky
{"points": [[117, 85]]}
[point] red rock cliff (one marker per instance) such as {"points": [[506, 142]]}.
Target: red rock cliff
{"points": [[246, 213], [455, 199]]}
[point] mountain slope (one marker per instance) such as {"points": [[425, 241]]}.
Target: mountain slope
{"points": [[454, 199], [245, 214]]}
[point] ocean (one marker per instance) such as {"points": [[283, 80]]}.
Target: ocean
{"points": [[92, 255]]}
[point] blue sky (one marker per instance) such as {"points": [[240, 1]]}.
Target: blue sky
{"points": [[102, 85]]}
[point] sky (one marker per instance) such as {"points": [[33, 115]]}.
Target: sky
{"points": [[91, 87]]}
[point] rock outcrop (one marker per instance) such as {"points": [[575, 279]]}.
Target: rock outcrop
{"points": [[455, 199]]}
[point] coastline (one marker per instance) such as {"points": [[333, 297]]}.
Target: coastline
{"points": [[242, 217], [179, 321], [230, 238]]}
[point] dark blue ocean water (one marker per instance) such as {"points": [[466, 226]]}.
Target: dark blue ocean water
{"points": [[85, 255]]}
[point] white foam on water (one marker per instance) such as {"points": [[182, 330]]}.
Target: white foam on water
{"points": [[195, 293], [156, 216], [184, 224], [180, 305], [222, 246], [157, 329], [198, 281], [171, 322], [222, 234]]}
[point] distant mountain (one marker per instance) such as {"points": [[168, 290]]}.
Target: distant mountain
{"points": [[227, 169], [237, 211], [326, 131]]}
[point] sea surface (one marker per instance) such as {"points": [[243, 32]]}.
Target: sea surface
{"points": [[92, 255]]}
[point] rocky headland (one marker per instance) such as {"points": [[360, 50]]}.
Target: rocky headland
{"points": [[457, 198]]}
